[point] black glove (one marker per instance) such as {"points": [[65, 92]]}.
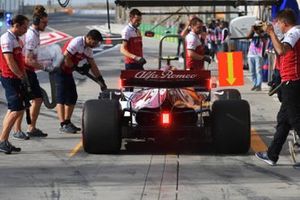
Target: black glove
{"points": [[140, 60], [84, 69], [207, 59], [102, 83]]}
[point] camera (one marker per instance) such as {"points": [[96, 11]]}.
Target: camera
{"points": [[260, 27]]}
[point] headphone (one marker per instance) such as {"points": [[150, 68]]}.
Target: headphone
{"points": [[36, 20]]}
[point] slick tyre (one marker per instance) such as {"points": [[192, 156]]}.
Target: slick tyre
{"points": [[231, 126], [101, 123], [227, 94]]}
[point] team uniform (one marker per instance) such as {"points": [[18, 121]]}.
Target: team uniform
{"points": [[32, 42], [194, 43], [66, 92], [289, 114], [11, 83], [134, 45]]}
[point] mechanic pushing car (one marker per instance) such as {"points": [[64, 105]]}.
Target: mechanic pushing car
{"points": [[13, 73], [30, 51], [76, 50], [132, 46], [195, 56]]}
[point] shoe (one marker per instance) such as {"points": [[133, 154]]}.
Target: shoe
{"points": [[258, 88], [253, 88], [297, 147], [264, 157], [37, 133], [67, 128], [20, 135], [5, 148], [76, 128], [12, 147]]}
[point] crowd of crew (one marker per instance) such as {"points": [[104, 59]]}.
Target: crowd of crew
{"points": [[18, 62]]}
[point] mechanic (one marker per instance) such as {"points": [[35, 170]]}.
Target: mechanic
{"points": [[78, 49], [195, 54], [132, 46], [13, 73], [289, 113], [30, 51]]}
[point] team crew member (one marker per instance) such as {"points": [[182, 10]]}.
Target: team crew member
{"points": [[32, 42], [195, 47], [78, 49], [289, 114], [13, 72], [132, 46]]}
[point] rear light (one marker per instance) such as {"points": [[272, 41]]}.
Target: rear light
{"points": [[165, 118]]}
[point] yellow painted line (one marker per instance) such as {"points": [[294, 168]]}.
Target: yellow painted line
{"points": [[75, 150], [257, 144]]}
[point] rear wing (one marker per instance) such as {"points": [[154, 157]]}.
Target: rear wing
{"points": [[165, 79]]}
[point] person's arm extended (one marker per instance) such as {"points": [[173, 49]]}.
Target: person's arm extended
{"points": [[94, 67], [13, 66], [125, 52], [67, 59], [31, 61], [280, 48]]}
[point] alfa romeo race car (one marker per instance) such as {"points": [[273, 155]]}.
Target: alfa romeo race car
{"points": [[166, 103]]}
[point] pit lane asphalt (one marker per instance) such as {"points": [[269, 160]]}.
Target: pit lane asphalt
{"points": [[56, 167]]}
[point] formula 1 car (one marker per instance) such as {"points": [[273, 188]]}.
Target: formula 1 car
{"points": [[172, 104]]}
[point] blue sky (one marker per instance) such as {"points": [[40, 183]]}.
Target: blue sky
{"points": [[74, 2]]}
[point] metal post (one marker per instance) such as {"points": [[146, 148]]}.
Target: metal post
{"points": [[108, 16]]}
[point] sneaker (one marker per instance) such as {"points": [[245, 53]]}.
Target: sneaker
{"points": [[264, 157], [258, 88], [297, 147], [5, 148], [20, 135], [253, 88], [37, 133], [67, 128], [12, 147], [75, 127]]}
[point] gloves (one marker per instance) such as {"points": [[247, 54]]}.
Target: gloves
{"points": [[84, 69], [140, 60], [207, 59], [102, 83]]}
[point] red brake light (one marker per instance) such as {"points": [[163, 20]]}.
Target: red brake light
{"points": [[165, 118]]}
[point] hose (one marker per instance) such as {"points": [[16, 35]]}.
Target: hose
{"points": [[47, 103]]}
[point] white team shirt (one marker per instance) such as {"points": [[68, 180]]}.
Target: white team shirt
{"points": [[31, 41], [77, 46], [9, 42], [192, 41], [292, 36], [129, 31]]}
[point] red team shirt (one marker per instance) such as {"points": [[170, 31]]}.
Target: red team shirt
{"points": [[78, 51], [193, 42], [11, 44], [290, 62], [134, 42]]}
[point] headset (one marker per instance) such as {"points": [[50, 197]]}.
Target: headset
{"points": [[36, 20]]}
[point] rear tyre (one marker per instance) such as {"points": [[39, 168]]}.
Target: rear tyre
{"points": [[226, 94], [231, 126], [101, 124]]}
